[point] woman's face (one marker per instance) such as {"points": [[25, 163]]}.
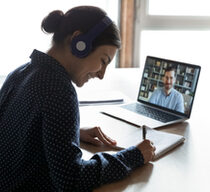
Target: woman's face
{"points": [[94, 65]]}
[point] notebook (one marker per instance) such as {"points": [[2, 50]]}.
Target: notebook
{"points": [[163, 141], [100, 98], [165, 96]]}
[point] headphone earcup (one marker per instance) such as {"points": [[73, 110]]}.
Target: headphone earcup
{"points": [[80, 46]]}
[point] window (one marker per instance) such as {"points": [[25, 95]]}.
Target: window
{"points": [[20, 27], [173, 29], [179, 7]]}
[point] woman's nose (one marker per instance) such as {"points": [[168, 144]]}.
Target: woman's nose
{"points": [[100, 74]]}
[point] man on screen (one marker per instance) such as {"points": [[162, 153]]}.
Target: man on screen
{"points": [[167, 96]]}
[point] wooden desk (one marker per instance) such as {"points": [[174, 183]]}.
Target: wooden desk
{"points": [[184, 169]]}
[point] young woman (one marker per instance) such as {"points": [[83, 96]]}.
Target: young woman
{"points": [[39, 115]]}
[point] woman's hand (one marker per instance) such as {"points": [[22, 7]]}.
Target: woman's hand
{"points": [[95, 136], [147, 149]]}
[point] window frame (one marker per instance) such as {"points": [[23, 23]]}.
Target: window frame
{"points": [[127, 35], [161, 22]]}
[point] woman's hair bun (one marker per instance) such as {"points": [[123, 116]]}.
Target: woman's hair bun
{"points": [[51, 23]]}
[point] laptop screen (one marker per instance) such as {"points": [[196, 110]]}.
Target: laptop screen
{"points": [[169, 85]]}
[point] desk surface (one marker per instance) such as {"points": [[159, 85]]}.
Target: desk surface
{"points": [[184, 169]]}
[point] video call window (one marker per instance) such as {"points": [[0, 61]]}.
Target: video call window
{"points": [[185, 81]]}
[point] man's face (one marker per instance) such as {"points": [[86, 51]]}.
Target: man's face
{"points": [[169, 79]]}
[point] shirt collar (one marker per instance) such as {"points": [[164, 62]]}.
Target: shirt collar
{"points": [[164, 93], [42, 59]]}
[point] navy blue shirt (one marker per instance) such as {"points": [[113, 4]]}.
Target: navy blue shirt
{"points": [[39, 134]]}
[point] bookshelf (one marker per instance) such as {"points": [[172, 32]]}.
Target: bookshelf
{"points": [[154, 71]]}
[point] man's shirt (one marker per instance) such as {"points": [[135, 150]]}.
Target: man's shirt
{"points": [[172, 101], [39, 134]]}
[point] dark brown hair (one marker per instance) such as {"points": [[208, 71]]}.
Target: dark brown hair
{"points": [[81, 18], [170, 68]]}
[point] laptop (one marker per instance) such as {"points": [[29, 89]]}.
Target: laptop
{"points": [[165, 96]]}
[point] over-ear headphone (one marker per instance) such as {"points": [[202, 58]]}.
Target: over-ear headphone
{"points": [[81, 45]]}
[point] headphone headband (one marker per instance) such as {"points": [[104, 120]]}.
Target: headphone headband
{"points": [[81, 45], [99, 28]]}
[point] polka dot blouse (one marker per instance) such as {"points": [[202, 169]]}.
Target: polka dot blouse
{"points": [[39, 134]]}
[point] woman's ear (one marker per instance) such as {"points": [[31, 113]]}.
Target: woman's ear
{"points": [[70, 37], [79, 44]]}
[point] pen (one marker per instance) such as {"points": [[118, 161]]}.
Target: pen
{"points": [[144, 132]]}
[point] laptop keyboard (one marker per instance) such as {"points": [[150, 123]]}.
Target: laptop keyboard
{"points": [[151, 112]]}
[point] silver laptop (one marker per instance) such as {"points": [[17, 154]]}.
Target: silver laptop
{"points": [[165, 95]]}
